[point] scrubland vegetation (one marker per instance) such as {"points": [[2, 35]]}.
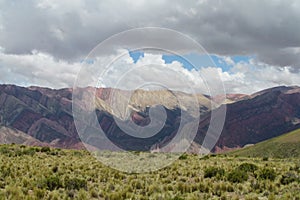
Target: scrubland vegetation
{"points": [[44, 173]]}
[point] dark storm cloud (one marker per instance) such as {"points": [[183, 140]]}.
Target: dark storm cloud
{"points": [[68, 30], [262, 28]]}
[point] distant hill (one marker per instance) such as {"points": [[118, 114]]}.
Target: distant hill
{"points": [[261, 116], [10, 135], [284, 146]]}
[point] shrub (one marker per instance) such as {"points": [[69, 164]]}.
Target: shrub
{"points": [[30, 151], [213, 172], [18, 152], [248, 167], [13, 192], [53, 153], [39, 193], [178, 198], [265, 159], [154, 188], [183, 157], [5, 171], [37, 149], [75, 183], [183, 187], [267, 173], [53, 182], [94, 193], [45, 149], [296, 168], [206, 157], [82, 195], [138, 185], [55, 169], [203, 188], [289, 178], [77, 153], [4, 150], [237, 176]]}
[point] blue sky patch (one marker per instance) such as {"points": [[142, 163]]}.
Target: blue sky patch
{"points": [[198, 60], [88, 61], [189, 60], [136, 55], [238, 59]]}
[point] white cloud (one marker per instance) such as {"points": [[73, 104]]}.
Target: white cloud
{"points": [[150, 71], [228, 60], [37, 68], [243, 77], [251, 77]]}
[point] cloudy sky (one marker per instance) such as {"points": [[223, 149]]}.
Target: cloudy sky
{"points": [[253, 44]]}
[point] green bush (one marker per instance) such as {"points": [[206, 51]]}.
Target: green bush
{"points": [[39, 193], [4, 150], [237, 176], [18, 152], [206, 157], [53, 153], [178, 198], [183, 156], [45, 149], [213, 172], [53, 182], [288, 178], [5, 171], [55, 169], [296, 168], [267, 173], [30, 151], [75, 183], [203, 188], [248, 167], [265, 159]]}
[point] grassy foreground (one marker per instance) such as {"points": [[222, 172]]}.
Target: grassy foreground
{"points": [[43, 173]]}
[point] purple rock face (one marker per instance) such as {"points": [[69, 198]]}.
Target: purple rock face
{"points": [[264, 116]]}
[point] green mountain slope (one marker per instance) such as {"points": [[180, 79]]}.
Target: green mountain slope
{"points": [[284, 146]]}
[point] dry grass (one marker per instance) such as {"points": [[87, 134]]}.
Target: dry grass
{"points": [[29, 173]]}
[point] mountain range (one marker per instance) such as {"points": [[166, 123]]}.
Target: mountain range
{"points": [[43, 116]]}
